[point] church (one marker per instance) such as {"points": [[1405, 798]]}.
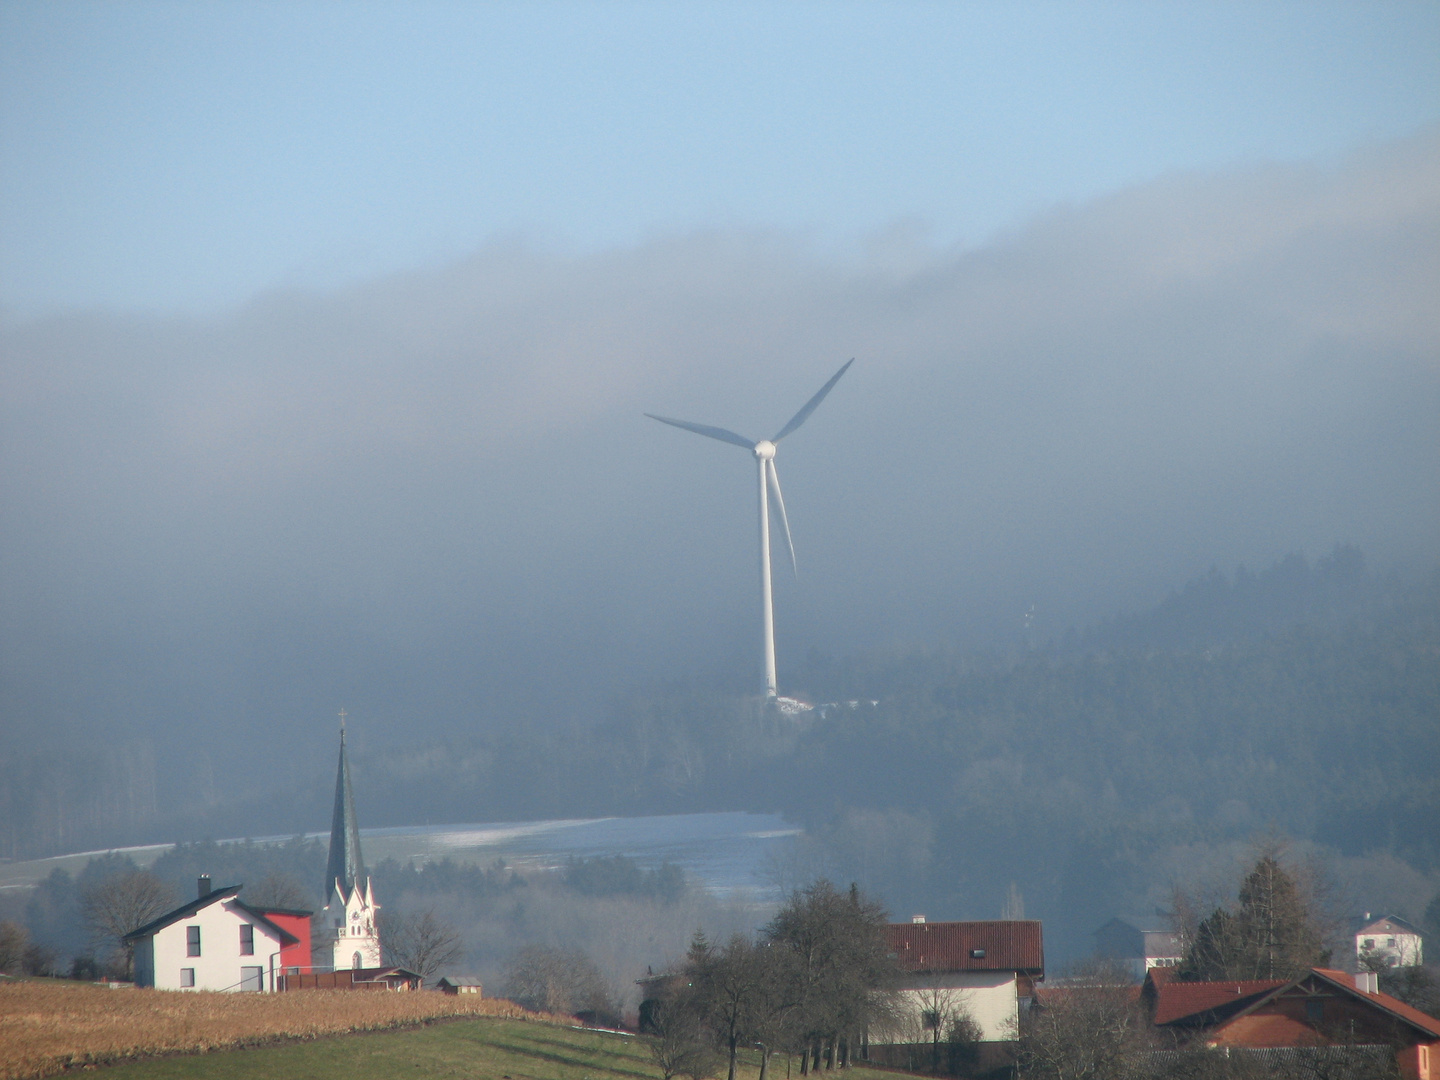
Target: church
{"points": [[346, 932]]}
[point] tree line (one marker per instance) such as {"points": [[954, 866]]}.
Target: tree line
{"points": [[812, 983]]}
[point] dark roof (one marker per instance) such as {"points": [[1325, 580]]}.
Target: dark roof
{"points": [[345, 864], [212, 897], [1001, 945]]}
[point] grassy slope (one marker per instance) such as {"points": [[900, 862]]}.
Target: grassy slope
{"points": [[481, 1048]]}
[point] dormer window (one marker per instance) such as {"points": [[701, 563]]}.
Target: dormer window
{"points": [[977, 954]]}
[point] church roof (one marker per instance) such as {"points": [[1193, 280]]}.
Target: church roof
{"points": [[345, 864]]}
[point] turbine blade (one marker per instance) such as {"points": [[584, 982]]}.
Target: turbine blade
{"points": [[804, 414], [780, 504], [704, 429]]}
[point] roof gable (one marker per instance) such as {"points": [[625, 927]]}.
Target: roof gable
{"points": [[1222, 1003], [215, 896], [1388, 924], [1196, 1003]]}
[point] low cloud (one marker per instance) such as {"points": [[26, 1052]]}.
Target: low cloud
{"points": [[434, 498]]}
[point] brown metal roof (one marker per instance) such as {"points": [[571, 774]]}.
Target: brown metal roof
{"points": [[1001, 945]]}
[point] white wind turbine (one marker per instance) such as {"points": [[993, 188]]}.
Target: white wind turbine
{"points": [[764, 452]]}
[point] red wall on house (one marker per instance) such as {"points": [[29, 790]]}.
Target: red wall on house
{"points": [[297, 924]]}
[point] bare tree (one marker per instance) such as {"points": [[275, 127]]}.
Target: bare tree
{"points": [[839, 967], [943, 1009], [553, 980], [119, 904], [14, 940], [1089, 1029], [680, 1043], [421, 943], [279, 890]]}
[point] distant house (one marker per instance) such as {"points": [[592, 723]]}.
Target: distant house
{"points": [[218, 942], [1386, 942], [1139, 944], [987, 968], [448, 985], [1322, 1013]]}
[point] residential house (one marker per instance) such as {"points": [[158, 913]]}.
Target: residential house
{"points": [[1139, 944], [218, 942], [988, 969], [1386, 942], [1321, 1013]]}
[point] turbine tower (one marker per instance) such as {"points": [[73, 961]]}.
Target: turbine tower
{"points": [[764, 452]]}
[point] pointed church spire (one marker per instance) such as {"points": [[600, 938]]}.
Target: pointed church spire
{"points": [[346, 864]]}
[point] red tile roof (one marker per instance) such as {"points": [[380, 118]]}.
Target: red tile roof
{"points": [[1008, 945], [1178, 1001], [1408, 1013]]}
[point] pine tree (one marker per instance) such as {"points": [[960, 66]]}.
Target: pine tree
{"points": [[1272, 933]]}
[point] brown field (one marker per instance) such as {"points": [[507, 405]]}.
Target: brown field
{"points": [[48, 1026]]}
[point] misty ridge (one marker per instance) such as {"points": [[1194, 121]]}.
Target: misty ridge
{"points": [[433, 499]]}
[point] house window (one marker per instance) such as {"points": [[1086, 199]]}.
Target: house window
{"points": [[252, 978], [187, 976], [1315, 1010], [247, 939], [1369, 943], [192, 941], [1389, 942]]}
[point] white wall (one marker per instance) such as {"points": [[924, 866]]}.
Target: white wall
{"points": [[160, 959], [1405, 952], [989, 997]]}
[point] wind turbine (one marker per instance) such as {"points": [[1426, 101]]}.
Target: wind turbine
{"points": [[764, 452]]}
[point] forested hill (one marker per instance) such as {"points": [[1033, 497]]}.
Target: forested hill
{"points": [[1087, 777], [1299, 701]]}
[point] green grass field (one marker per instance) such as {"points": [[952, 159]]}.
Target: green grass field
{"points": [[482, 1048]]}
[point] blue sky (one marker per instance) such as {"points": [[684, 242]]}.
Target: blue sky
{"points": [[184, 157]]}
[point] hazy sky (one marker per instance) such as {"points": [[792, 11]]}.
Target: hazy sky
{"points": [[185, 156], [327, 331]]}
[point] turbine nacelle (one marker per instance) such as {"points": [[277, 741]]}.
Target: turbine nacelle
{"points": [[764, 450]]}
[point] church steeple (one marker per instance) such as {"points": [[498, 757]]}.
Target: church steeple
{"points": [[346, 865]]}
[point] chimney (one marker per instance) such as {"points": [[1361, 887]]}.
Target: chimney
{"points": [[917, 918], [203, 884]]}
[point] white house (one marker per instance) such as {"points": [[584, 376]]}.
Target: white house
{"points": [[215, 942], [988, 969], [1139, 944], [1387, 942]]}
